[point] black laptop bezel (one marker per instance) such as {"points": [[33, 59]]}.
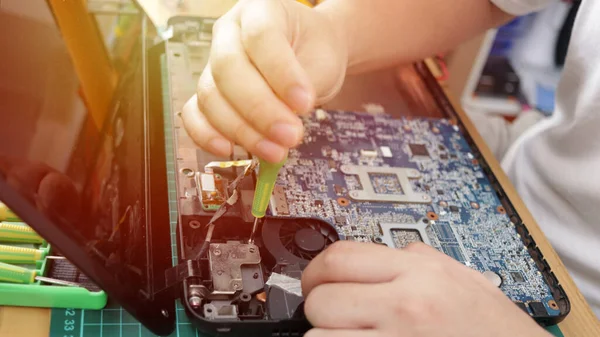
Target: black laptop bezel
{"points": [[157, 312]]}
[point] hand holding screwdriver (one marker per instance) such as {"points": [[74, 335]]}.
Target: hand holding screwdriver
{"points": [[270, 61]]}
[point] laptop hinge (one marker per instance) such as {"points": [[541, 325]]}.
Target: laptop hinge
{"points": [[176, 275]]}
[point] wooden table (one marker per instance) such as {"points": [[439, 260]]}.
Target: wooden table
{"points": [[379, 87]]}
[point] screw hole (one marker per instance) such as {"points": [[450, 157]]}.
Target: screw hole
{"points": [[187, 172], [195, 224], [432, 216], [343, 202], [209, 310]]}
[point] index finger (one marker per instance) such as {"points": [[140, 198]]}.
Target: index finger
{"points": [[246, 90], [355, 262]]}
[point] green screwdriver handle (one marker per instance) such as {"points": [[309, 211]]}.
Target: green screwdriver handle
{"points": [[7, 215], [20, 255], [14, 274], [12, 232], [267, 175]]}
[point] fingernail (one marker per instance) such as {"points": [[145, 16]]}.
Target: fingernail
{"points": [[269, 151], [286, 134], [220, 145], [299, 99]]}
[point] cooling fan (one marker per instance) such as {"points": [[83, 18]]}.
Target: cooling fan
{"points": [[292, 241]]}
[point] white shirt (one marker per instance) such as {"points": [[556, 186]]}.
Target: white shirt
{"points": [[555, 165]]}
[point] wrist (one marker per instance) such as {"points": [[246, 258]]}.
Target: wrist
{"points": [[337, 13]]}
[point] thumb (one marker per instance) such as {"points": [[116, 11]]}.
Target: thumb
{"points": [[268, 33]]}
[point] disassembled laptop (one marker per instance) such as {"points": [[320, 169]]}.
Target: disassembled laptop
{"points": [[367, 177], [356, 176]]}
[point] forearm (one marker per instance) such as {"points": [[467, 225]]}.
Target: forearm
{"points": [[382, 33]]}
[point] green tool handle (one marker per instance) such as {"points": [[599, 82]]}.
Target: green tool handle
{"points": [[14, 274], [11, 232], [20, 255], [7, 215], [262, 195], [267, 175]]}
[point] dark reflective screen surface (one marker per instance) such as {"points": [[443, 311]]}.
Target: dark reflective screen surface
{"points": [[84, 175]]}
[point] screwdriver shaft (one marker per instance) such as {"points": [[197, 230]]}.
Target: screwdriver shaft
{"points": [[57, 282], [254, 226]]}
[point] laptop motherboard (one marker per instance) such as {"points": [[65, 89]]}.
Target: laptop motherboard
{"points": [[396, 181], [360, 176]]}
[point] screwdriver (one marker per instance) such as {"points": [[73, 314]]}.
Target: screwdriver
{"points": [[23, 255], [12, 232], [267, 175], [15, 274], [7, 215]]}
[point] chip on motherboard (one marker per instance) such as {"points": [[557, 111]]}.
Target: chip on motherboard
{"points": [[418, 150]]}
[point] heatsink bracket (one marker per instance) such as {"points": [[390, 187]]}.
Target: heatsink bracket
{"points": [[368, 192]]}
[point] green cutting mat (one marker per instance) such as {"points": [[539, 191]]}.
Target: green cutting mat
{"points": [[113, 321]]}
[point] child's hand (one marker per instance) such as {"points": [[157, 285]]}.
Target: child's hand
{"points": [[270, 60]]}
